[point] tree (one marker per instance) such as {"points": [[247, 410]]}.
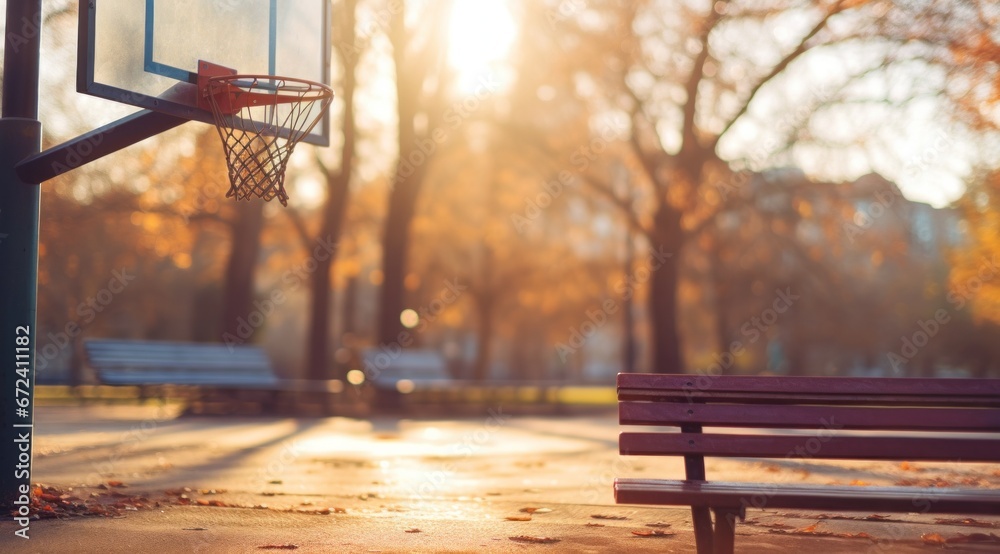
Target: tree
{"points": [[338, 183], [706, 111], [418, 53]]}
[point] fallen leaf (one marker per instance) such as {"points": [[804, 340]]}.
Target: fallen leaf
{"points": [[905, 466], [195, 529], [653, 533], [932, 538], [117, 484], [809, 529], [278, 546], [518, 518], [858, 483], [536, 510], [606, 516], [275, 482], [413, 530], [972, 538], [877, 517], [658, 524], [538, 540], [592, 524], [965, 521]]}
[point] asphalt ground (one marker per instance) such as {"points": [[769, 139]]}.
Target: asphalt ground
{"points": [[145, 479]]}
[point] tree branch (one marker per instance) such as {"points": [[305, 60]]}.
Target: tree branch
{"points": [[800, 49]]}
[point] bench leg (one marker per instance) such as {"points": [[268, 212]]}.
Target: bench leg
{"points": [[724, 539], [702, 520]]}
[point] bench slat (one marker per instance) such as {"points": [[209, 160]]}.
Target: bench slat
{"points": [[829, 385], [807, 497], [825, 446], [981, 401], [798, 390], [809, 417]]}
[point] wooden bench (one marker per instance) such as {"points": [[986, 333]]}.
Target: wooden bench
{"points": [[214, 372], [820, 418]]}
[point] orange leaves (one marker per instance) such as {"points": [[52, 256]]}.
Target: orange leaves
{"points": [[518, 518], [653, 533], [966, 521], [809, 529], [960, 538], [535, 540]]}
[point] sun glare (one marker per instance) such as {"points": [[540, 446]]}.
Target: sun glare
{"points": [[480, 35]]}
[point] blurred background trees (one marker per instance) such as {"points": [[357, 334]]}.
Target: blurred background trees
{"points": [[567, 188]]}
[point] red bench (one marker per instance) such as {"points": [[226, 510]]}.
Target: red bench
{"points": [[830, 417]]}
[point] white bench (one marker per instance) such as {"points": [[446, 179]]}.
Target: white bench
{"points": [[214, 372]]}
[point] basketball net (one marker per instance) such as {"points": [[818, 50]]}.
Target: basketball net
{"points": [[260, 120]]}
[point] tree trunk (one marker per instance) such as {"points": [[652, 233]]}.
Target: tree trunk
{"points": [[628, 317], [395, 254], [238, 295], [338, 191], [484, 339], [667, 354], [664, 281], [321, 285], [720, 300]]}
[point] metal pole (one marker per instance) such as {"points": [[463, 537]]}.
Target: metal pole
{"points": [[20, 137]]}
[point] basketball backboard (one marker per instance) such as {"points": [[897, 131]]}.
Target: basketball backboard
{"points": [[146, 52]]}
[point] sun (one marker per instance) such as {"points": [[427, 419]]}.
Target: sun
{"points": [[480, 36]]}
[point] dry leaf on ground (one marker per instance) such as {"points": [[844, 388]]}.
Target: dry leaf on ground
{"points": [[278, 546], [518, 518], [973, 538], [653, 533], [606, 516], [965, 521], [413, 530], [592, 524], [537, 540], [932, 538], [658, 524]]}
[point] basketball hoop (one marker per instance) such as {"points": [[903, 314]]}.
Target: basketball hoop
{"points": [[260, 120]]}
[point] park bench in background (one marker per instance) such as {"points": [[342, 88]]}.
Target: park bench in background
{"points": [[393, 375], [215, 377], [420, 378], [829, 418]]}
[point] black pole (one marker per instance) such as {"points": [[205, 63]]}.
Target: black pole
{"points": [[20, 137]]}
